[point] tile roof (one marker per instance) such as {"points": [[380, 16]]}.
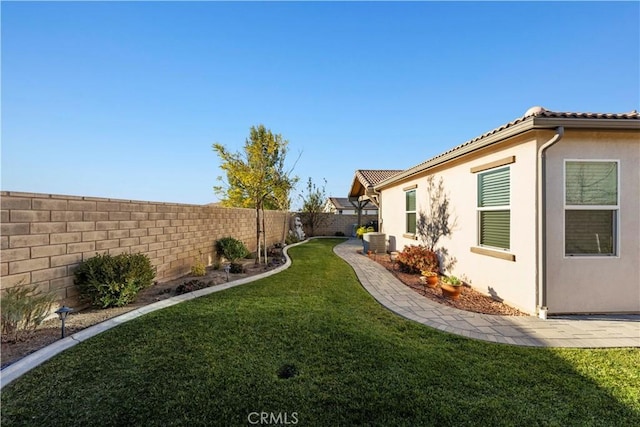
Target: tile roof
{"points": [[538, 117], [541, 112], [370, 177]]}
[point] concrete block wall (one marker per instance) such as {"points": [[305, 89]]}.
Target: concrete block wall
{"points": [[44, 237], [333, 223]]}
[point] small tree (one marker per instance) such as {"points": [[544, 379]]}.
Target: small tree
{"points": [[254, 175], [280, 198], [313, 206]]}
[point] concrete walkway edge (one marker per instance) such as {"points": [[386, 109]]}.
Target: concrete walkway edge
{"points": [[567, 331]]}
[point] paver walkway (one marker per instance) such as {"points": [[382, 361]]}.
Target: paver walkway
{"points": [[566, 331]]}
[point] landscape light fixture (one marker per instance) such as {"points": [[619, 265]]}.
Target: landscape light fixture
{"points": [[62, 313], [227, 269]]}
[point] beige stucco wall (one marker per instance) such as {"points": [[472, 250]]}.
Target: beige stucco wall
{"points": [[513, 281], [595, 284]]}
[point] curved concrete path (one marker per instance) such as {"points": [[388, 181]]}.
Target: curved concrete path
{"points": [[566, 331]]}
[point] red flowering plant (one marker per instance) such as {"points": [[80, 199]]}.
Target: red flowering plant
{"points": [[415, 259]]}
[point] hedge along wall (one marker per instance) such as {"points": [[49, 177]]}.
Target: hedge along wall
{"points": [[332, 223], [44, 237]]}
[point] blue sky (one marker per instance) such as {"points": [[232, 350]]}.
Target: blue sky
{"points": [[125, 99]]}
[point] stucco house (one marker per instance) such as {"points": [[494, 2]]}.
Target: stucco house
{"points": [[343, 206], [546, 211]]}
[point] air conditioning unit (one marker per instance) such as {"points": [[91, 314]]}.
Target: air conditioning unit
{"points": [[375, 242]]}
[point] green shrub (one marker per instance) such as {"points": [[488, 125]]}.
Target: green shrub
{"points": [[113, 281], [236, 268], [291, 239], [414, 259], [232, 249], [198, 268], [339, 234], [362, 230], [22, 309]]}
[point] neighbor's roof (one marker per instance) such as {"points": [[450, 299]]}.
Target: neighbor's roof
{"points": [[344, 203], [367, 178], [534, 118]]}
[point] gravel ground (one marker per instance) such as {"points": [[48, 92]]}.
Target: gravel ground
{"points": [[469, 300]]}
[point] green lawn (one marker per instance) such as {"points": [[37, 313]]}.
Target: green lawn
{"points": [[215, 361]]}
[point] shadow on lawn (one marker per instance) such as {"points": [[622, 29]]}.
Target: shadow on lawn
{"points": [[216, 359]]}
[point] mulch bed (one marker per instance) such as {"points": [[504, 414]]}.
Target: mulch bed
{"points": [[469, 300]]}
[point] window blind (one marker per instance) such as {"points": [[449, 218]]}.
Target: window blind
{"points": [[591, 207], [591, 183], [494, 188], [410, 208], [495, 228], [410, 201], [589, 232]]}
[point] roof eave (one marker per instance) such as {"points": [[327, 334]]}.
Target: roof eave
{"points": [[586, 123], [481, 143], [527, 124]]}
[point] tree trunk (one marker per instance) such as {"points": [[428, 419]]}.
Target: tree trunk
{"points": [[285, 232], [258, 233], [264, 237]]}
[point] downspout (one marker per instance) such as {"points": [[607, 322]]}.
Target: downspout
{"points": [[378, 197], [541, 294]]}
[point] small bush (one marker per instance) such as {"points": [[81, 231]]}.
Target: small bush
{"points": [[414, 259], [23, 309], [236, 268], [364, 229], [198, 268], [232, 249], [291, 239], [113, 281], [339, 234], [192, 285]]}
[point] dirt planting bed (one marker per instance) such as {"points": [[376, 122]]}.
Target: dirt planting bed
{"points": [[469, 300]]}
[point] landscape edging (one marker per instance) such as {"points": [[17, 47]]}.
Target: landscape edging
{"points": [[24, 365]]}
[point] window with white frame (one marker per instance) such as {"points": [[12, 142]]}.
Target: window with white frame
{"points": [[591, 207], [410, 211], [494, 210]]}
